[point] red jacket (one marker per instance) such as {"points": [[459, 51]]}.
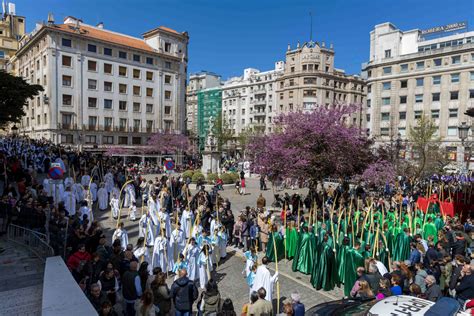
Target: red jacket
{"points": [[75, 260]]}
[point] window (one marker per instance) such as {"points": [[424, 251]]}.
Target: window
{"points": [[309, 93], [454, 78], [136, 73], [108, 69], [149, 126], [91, 48], [418, 114], [403, 83], [123, 105], [91, 65], [66, 42], [107, 140], [290, 94], [92, 102], [67, 81], [453, 113], [108, 123], [107, 104], [136, 107], [385, 116], [122, 124], [403, 67], [136, 140], [436, 80], [454, 95], [418, 98], [292, 69], [385, 101], [437, 62], [369, 103], [92, 121], [67, 99], [91, 139], [136, 58], [310, 80], [167, 95], [122, 71], [435, 96], [471, 76], [167, 47], [419, 82], [67, 138], [122, 55], [420, 65], [167, 79], [471, 94], [149, 108], [149, 75], [67, 119], [167, 110], [367, 117], [123, 140], [402, 116], [403, 99], [107, 51], [92, 84], [452, 131], [388, 53], [305, 67], [149, 61], [122, 88], [149, 92], [456, 59], [386, 86], [434, 114], [387, 70], [384, 131], [136, 90], [107, 86], [167, 65], [66, 61]]}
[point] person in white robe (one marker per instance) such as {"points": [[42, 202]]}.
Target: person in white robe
{"points": [[103, 197], [160, 253], [85, 180], [145, 229], [164, 218], [141, 252], [69, 200], [250, 259], [85, 210], [129, 195], [93, 189], [57, 191], [68, 181], [197, 231], [205, 266], [151, 205], [47, 186], [61, 164], [187, 223], [222, 239], [132, 212], [177, 241], [192, 252], [114, 206], [121, 234], [264, 279], [78, 191], [115, 190], [181, 264], [109, 182], [215, 258]]}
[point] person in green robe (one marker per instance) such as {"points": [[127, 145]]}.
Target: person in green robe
{"points": [[324, 274], [353, 260], [291, 240], [275, 237], [305, 260], [401, 251], [430, 230], [439, 223], [341, 258]]}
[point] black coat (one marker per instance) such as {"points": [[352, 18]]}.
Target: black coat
{"points": [[184, 292]]}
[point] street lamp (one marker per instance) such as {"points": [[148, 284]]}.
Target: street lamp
{"points": [[14, 130], [463, 131]]}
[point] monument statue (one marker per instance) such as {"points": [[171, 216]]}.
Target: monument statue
{"points": [[210, 156]]}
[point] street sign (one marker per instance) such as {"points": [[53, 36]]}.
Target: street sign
{"points": [[55, 172], [169, 164]]}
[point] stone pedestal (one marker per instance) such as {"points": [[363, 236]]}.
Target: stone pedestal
{"points": [[210, 162]]}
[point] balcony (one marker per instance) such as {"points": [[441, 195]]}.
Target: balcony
{"points": [[135, 129], [91, 127], [122, 128], [67, 126], [259, 114]]}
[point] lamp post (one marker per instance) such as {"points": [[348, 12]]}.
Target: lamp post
{"points": [[463, 131], [14, 130]]}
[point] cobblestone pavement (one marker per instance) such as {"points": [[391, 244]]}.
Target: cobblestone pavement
{"points": [[232, 284]]}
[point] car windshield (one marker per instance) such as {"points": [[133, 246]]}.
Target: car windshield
{"points": [[358, 310]]}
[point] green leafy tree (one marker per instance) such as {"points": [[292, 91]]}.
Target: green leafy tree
{"points": [[223, 132], [14, 93], [429, 156]]}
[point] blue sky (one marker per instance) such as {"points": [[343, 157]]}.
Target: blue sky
{"points": [[228, 36]]}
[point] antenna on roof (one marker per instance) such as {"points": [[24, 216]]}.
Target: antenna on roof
{"points": [[50, 19], [311, 26]]}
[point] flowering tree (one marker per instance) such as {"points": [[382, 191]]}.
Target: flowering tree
{"points": [[313, 146], [379, 173], [167, 143]]}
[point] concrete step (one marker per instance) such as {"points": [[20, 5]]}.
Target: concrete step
{"points": [[24, 301]]}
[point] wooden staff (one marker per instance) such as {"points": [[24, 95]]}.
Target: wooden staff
{"points": [[387, 250], [353, 237], [276, 269], [120, 201], [162, 226], [286, 237], [207, 262], [365, 222], [332, 225]]}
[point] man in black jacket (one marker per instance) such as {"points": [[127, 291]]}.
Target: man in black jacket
{"points": [[184, 292], [465, 289]]}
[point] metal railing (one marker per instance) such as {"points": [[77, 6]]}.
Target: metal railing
{"points": [[34, 241]]}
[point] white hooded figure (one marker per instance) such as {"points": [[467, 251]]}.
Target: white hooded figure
{"points": [[85, 210], [109, 182], [222, 241], [69, 200], [68, 181], [103, 197], [151, 205], [85, 180], [187, 223], [145, 229], [129, 195], [264, 279], [78, 191], [93, 189], [160, 253], [205, 266], [164, 218], [115, 191], [192, 252], [132, 212], [178, 242], [121, 234], [114, 206], [141, 252]]}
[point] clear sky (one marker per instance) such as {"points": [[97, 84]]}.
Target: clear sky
{"points": [[228, 36]]}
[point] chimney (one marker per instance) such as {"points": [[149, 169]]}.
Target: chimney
{"points": [[323, 44], [77, 27], [50, 19], [100, 25]]}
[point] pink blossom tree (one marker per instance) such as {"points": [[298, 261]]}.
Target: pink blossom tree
{"points": [[379, 173], [313, 145], [167, 143]]}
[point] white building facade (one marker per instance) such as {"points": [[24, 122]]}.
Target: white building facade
{"points": [[412, 73], [103, 88]]}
